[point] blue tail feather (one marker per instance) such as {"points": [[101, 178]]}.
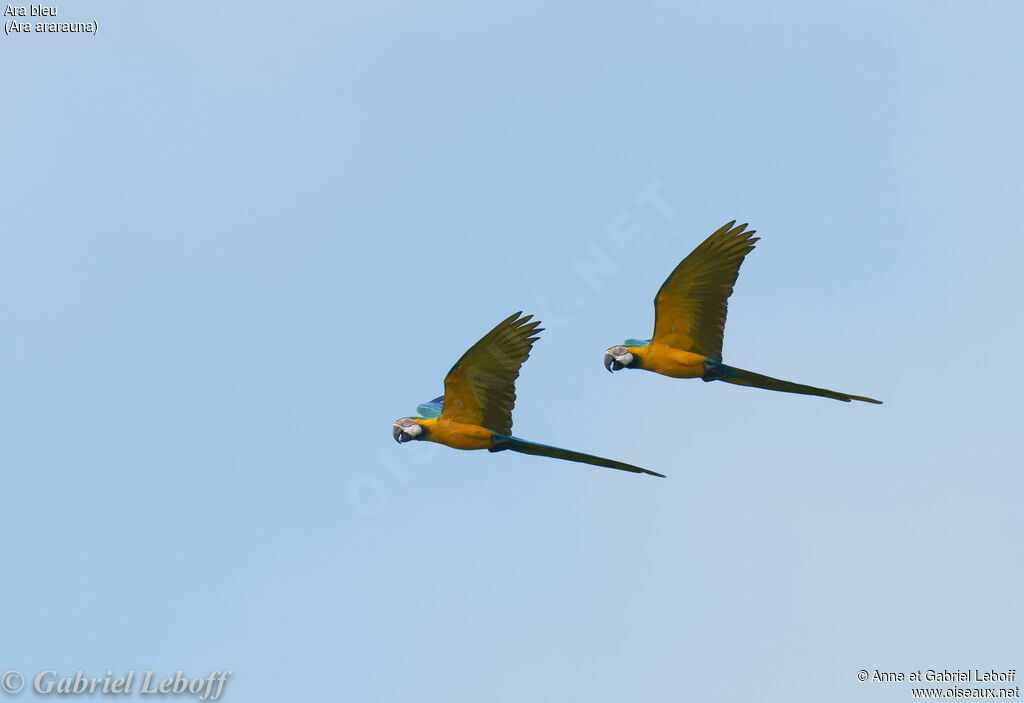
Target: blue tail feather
{"points": [[502, 442], [717, 371]]}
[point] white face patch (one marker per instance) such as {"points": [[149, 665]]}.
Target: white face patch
{"points": [[405, 429], [617, 358], [621, 355]]}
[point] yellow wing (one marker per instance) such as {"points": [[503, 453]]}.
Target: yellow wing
{"points": [[481, 387], [690, 307]]}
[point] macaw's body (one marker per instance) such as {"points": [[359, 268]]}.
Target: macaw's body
{"points": [[457, 435], [663, 359], [475, 411], [690, 310]]}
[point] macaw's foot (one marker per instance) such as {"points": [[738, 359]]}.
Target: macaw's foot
{"points": [[499, 443], [714, 371]]}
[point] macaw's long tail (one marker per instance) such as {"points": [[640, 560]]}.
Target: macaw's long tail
{"points": [[502, 442], [717, 371]]}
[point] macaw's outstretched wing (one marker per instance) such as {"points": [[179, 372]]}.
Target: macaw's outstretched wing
{"points": [[481, 387], [690, 307]]}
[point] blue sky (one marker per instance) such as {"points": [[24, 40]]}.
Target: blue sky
{"points": [[239, 241]]}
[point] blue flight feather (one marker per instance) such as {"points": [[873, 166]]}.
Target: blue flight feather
{"points": [[636, 343], [432, 408]]}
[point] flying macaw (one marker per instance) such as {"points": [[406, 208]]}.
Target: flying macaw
{"points": [[689, 321], [475, 411]]}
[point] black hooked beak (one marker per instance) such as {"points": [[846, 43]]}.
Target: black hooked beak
{"points": [[610, 363], [399, 434]]}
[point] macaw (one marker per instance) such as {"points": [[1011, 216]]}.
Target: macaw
{"points": [[475, 411], [689, 321]]}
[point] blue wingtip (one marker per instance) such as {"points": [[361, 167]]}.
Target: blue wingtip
{"points": [[432, 408]]}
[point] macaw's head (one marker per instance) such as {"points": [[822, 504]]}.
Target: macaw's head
{"points": [[620, 358], [406, 429]]}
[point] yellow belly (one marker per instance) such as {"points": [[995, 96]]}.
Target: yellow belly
{"points": [[663, 359], [457, 435]]}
